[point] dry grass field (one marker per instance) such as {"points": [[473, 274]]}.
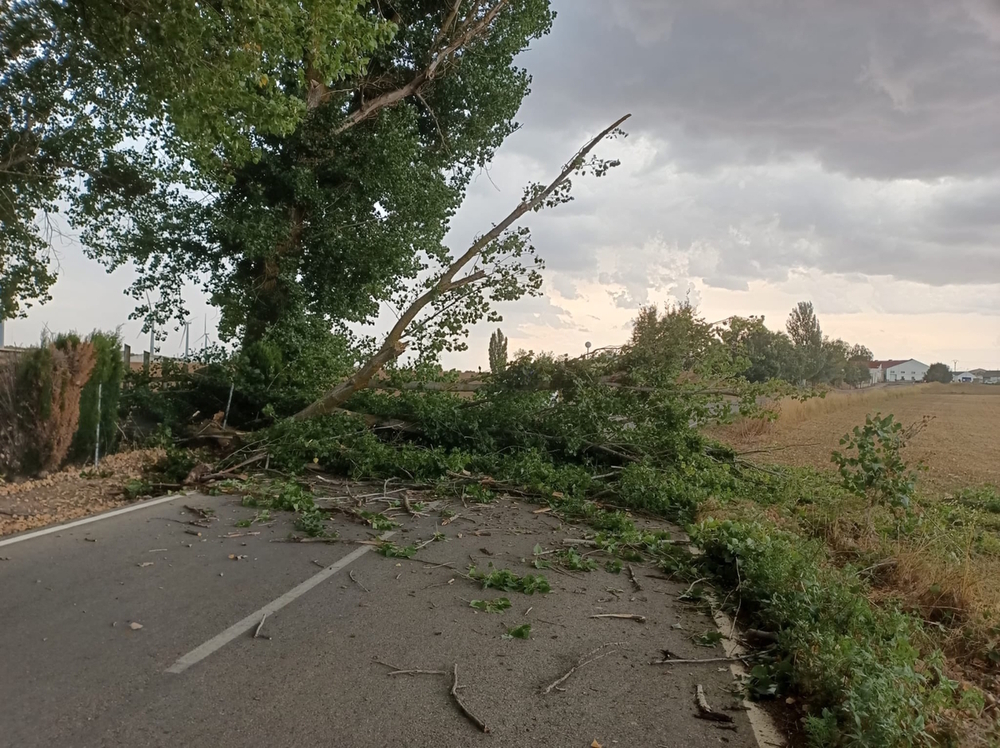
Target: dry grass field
{"points": [[960, 446]]}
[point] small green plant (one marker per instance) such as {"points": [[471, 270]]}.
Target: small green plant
{"points": [[136, 487], [573, 561], [519, 632], [264, 515], [877, 471], [244, 523], [479, 494], [613, 566], [313, 523], [497, 605], [390, 550], [377, 520], [709, 638], [508, 581]]}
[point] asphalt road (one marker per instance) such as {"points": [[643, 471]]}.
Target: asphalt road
{"points": [[74, 672]]}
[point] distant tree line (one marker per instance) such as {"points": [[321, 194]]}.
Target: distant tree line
{"points": [[802, 355]]}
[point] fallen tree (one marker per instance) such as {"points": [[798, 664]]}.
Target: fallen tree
{"points": [[443, 291]]}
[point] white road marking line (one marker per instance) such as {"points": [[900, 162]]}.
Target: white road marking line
{"points": [[217, 642], [88, 520]]}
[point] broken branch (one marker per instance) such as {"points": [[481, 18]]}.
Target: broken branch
{"points": [[462, 707], [580, 663], [626, 616], [393, 345], [705, 711]]}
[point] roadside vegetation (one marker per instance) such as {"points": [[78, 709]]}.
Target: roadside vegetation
{"points": [[306, 185]]}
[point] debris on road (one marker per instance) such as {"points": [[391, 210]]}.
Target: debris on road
{"points": [[625, 616], [704, 710], [256, 633], [635, 580], [393, 670], [462, 707], [135, 625], [355, 580], [580, 663], [144, 564]]}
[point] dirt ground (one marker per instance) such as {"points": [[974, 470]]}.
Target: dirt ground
{"points": [[69, 494], [960, 446]]}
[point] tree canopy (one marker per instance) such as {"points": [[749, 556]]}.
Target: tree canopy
{"points": [[297, 160], [939, 372]]}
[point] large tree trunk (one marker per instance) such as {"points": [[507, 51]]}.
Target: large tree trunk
{"points": [[393, 346]]}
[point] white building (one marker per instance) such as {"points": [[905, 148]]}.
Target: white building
{"points": [[905, 371], [965, 376], [875, 371]]}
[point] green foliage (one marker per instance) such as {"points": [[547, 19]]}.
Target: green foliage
{"points": [[708, 638], [84, 85], [498, 352], [378, 521], [497, 605], [572, 560], [519, 632], [939, 372], [807, 337], [136, 488], [108, 372], [876, 470], [761, 354], [507, 581], [859, 666], [390, 550]]}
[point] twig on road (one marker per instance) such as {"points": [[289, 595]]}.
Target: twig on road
{"points": [[626, 616], [698, 660], [580, 663], [635, 580], [462, 707], [355, 580], [256, 634], [705, 711], [399, 671]]}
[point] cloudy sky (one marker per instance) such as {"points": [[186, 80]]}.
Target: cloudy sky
{"points": [[845, 153]]}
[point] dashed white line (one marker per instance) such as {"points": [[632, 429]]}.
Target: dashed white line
{"points": [[88, 520], [243, 626]]}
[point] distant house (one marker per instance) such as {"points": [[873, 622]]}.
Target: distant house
{"points": [[898, 370], [986, 376], [965, 377]]}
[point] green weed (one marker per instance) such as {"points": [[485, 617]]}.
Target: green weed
{"points": [[497, 605], [519, 632], [390, 550], [507, 581]]}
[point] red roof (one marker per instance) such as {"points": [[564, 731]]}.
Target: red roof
{"points": [[887, 364]]}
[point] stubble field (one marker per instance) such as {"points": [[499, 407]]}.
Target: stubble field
{"points": [[960, 445]]}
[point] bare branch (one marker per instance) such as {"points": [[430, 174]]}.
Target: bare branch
{"points": [[394, 345]]}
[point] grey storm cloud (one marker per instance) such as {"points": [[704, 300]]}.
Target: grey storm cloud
{"points": [[768, 137], [894, 88]]}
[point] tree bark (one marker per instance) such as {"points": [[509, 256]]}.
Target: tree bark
{"points": [[393, 346]]}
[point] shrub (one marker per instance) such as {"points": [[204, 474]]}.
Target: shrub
{"points": [[109, 370], [42, 403]]}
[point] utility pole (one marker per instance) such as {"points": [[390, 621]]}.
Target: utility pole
{"points": [[187, 338], [152, 342], [955, 362]]}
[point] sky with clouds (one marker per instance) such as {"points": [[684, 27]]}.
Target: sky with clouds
{"points": [[845, 153]]}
